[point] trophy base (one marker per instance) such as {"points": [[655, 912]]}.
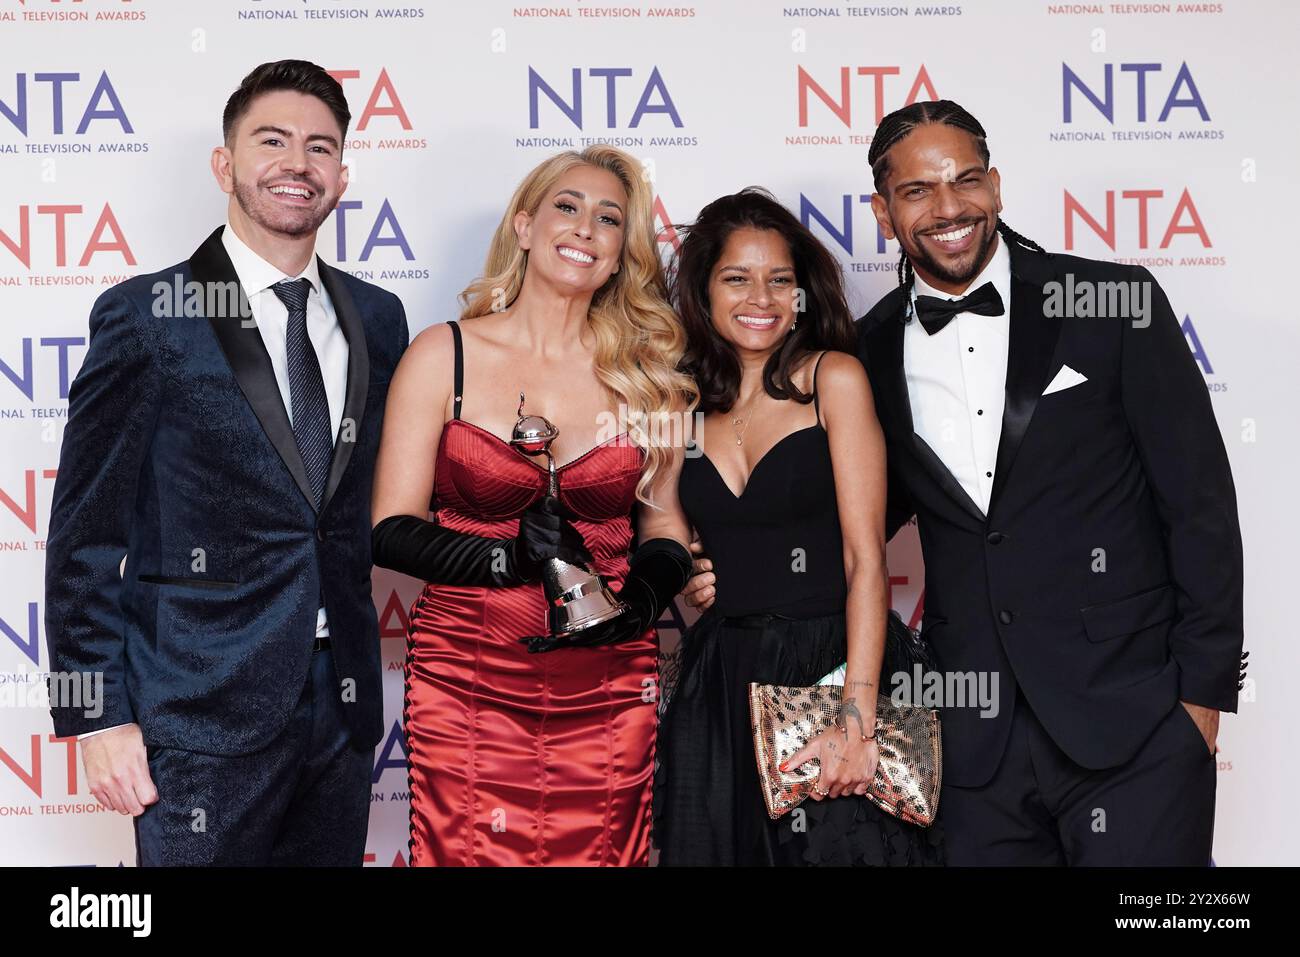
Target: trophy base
{"points": [[578, 599], [580, 614]]}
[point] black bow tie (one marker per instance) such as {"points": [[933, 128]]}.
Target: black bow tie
{"points": [[935, 313]]}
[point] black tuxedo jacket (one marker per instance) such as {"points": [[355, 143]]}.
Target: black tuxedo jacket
{"points": [[1125, 472], [178, 441]]}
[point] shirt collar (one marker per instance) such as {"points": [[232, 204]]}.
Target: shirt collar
{"points": [[255, 273], [997, 271]]}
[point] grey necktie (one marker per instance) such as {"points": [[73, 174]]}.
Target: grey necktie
{"points": [[309, 409]]}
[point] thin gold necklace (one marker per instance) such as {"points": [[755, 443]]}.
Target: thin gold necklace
{"points": [[740, 423]]}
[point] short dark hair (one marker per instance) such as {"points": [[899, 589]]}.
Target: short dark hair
{"points": [[825, 323], [299, 76]]}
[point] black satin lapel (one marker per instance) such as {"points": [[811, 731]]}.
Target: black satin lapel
{"points": [[1031, 343], [886, 352], [944, 478], [354, 405], [248, 358]]}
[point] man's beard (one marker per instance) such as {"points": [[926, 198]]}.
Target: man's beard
{"points": [[964, 274], [288, 221]]}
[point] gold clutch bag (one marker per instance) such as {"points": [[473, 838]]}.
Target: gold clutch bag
{"points": [[908, 775]]}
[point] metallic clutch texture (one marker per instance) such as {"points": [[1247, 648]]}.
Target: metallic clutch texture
{"points": [[908, 774]]}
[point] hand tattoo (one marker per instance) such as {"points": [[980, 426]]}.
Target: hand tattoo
{"points": [[849, 709]]}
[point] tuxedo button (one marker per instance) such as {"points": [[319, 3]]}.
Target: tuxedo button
{"points": [[995, 538], [1005, 617], [320, 534]]}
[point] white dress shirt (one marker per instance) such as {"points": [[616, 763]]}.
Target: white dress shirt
{"points": [[257, 276], [956, 381]]}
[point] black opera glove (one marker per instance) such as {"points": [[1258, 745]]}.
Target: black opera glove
{"points": [[657, 573], [546, 532], [434, 553]]}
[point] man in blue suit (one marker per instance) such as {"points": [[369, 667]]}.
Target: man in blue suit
{"points": [[221, 438]]}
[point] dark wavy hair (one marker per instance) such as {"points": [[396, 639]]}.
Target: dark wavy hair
{"points": [[299, 76], [825, 323]]}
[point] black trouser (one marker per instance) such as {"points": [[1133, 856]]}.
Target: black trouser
{"points": [[303, 799], [1040, 808]]}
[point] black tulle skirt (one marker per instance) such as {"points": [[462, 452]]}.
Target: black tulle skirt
{"points": [[708, 803]]}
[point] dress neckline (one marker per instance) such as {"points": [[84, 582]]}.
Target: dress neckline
{"points": [[529, 459], [749, 480]]}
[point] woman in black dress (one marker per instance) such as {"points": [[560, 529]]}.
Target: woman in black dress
{"points": [[785, 487]]}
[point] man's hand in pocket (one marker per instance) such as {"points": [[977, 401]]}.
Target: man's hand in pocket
{"points": [[1207, 722]]}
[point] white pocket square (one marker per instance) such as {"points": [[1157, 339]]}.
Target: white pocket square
{"points": [[1067, 378]]}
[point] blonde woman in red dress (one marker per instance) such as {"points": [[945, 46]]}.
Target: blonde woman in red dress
{"points": [[534, 753]]}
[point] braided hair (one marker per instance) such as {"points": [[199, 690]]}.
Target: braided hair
{"points": [[898, 125]]}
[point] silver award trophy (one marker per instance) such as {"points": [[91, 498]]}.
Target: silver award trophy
{"points": [[576, 598]]}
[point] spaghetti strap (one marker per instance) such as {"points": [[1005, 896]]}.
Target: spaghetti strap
{"points": [[458, 395], [816, 403]]}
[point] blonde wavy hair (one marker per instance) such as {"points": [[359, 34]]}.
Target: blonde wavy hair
{"points": [[639, 339]]}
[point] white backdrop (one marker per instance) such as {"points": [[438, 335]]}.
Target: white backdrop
{"points": [[109, 110]]}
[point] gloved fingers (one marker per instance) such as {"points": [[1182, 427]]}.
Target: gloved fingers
{"points": [[562, 510], [574, 555], [542, 520], [552, 506], [572, 542], [612, 632], [537, 644]]}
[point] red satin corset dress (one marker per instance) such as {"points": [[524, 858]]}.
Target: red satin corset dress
{"points": [[518, 758]]}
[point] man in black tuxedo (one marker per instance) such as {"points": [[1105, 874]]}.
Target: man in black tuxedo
{"points": [[221, 438], [1077, 518]]}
